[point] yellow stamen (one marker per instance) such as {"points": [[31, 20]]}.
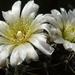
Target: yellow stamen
{"points": [[19, 36], [19, 32]]}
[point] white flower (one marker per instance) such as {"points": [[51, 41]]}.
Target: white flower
{"points": [[62, 28], [19, 34]]}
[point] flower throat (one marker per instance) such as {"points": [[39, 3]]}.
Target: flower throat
{"points": [[19, 32], [69, 33]]}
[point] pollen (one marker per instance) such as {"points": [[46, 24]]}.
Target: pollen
{"points": [[20, 36]]}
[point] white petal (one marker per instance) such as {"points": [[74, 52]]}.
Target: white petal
{"points": [[57, 15], [67, 45], [1, 48], [64, 16], [55, 12], [3, 26], [18, 54], [38, 22], [73, 47], [41, 45], [45, 27], [16, 8], [5, 53], [40, 19], [13, 14], [55, 31], [31, 53], [17, 60], [30, 10], [70, 16], [40, 36], [22, 52], [72, 21], [74, 12], [52, 20], [57, 39]]}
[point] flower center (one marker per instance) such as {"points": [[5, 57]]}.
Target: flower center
{"points": [[69, 33], [20, 36], [19, 32]]}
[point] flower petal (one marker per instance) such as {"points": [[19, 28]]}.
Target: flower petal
{"points": [[55, 31], [18, 54], [57, 15], [73, 46], [17, 60], [40, 19], [22, 52], [13, 14], [64, 16], [53, 21], [70, 16], [42, 36], [45, 27], [31, 53], [1, 48], [30, 10], [55, 12], [57, 39], [41, 45], [67, 45], [74, 12], [3, 26], [72, 22], [5, 53]]}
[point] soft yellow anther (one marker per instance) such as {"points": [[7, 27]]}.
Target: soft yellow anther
{"points": [[19, 36]]}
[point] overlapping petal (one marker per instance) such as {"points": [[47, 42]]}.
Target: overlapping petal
{"points": [[41, 45], [31, 53], [62, 27], [13, 14], [5, 52], [29, 10], [21, 31], [18, 54]]}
